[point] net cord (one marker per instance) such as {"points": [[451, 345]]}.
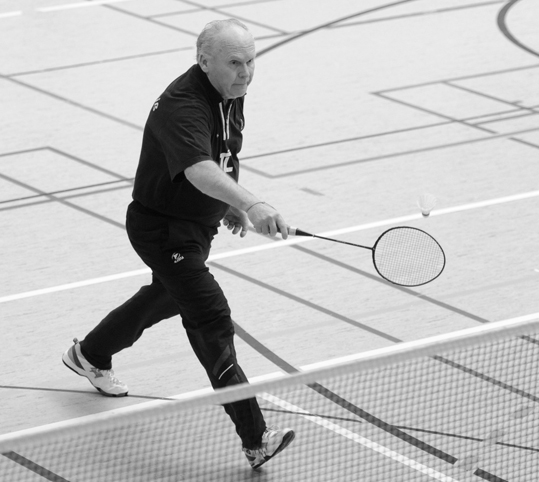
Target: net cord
{"points": [[378, 358]]}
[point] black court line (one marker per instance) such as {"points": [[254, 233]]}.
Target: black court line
{"points": [[518, 111], [20, 152], [345, 140], [463, 77], [402, 289], [466, 437], [150, 20], [386, 427], [88, 164], [324, 416], [51, 196], [519, 115], [198, 7], [266, 352], [329, 24], [354, 409], [85, 392], [204, 7], [364, 415], [77, 105], [273, 154], [401, 427], [38, 469], [307, 303], [530, 339], [63, 191], [263, 350], [219, 10], [526, 143], [432, 112], [491, 97], [62, 201], [502, 25], [488, 379], [73, 196], [343, 403], [98, 62], [424, 13], [320, 27], [386, 156]]}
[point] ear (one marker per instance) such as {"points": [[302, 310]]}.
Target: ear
{"points": [[203, 62]]}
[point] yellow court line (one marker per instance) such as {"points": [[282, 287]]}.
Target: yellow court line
{"points": [[280, 244]]}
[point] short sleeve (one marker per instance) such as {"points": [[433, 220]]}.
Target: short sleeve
{"points": [[185, 137]]}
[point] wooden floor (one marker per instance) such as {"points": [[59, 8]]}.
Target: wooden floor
{"points": [[356, 109]]}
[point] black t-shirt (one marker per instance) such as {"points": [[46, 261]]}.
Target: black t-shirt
{"points": [[190, 122]]}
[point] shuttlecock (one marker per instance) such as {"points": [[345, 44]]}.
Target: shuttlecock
{"points": [[426, 203]]}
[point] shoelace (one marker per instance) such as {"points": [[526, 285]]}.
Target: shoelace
{"points": [[262, 450], [110, 375]]}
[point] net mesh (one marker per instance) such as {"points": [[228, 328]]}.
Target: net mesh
{"points": [[457, 408], [408, 256]]}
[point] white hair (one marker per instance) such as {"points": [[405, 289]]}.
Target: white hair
{"points": [[207, 38]]}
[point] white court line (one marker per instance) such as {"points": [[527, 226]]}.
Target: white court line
{"points": [[381, 449], [56, 8], [278, 244], [10, 14]]}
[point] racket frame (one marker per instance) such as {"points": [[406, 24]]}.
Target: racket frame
{"points": [[394, 282], [299, 232]]}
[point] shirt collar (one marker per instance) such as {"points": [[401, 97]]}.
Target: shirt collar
{"points": [[214, 95]]}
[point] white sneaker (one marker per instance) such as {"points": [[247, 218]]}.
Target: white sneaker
{"points": [[274, 440], [103, 380]]}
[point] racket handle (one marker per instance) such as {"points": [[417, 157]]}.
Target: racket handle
{"points": [[297, 232]]}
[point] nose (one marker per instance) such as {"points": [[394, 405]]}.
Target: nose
{"points": [[244, 72]]}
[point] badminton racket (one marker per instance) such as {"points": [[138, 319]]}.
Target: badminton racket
{"points": [[402, 255]]}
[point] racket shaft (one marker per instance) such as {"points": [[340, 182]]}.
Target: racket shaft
{"points": [[298, 232]]}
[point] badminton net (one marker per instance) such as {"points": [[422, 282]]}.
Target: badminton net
{"points": [[459, 407]]}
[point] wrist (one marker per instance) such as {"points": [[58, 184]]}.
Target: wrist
{"points": [[253, 205]]}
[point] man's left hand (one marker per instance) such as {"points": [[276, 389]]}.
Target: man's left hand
{"points": [[236, 221]]}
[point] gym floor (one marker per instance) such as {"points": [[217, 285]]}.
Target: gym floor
{"points": [[356, 109]]}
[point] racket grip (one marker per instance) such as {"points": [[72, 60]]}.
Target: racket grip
{"points": [[292, 231]]}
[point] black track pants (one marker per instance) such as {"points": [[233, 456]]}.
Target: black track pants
{"points": [[182, 284]]}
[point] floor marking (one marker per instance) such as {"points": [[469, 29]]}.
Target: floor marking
{"points": [[10, 14], [465, 334], [359, 439], [55, 8], [281, 244], [38, 469]]}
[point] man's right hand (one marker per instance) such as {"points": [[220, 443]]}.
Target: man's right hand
{"points": [[266, 220]]}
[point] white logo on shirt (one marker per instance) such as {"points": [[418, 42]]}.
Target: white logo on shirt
{"points": [[223, 164], [177, 257]]}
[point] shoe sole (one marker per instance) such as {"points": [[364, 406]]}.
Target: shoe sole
{"points": [[287, 440], [97, 388]]}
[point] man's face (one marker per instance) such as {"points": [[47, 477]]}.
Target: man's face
{"points": [[231, 66]]}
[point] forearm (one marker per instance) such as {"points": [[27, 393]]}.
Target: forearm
{"points": [[212, 181], [207, 177]]}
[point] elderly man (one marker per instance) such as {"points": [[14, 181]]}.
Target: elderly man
{"points": [[185, 185]]}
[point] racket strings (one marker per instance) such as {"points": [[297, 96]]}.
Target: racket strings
{"points": [[408, 256]]}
